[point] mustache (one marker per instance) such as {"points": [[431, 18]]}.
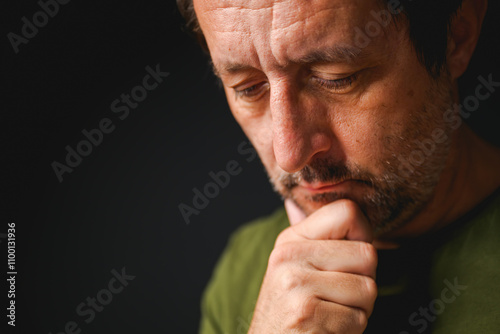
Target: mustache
{"points": [[324, 170]]}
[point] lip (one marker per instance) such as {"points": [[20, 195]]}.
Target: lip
{"points": [[322, 187]]}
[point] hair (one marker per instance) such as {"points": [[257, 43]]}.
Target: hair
{"points": [[428, 23]]}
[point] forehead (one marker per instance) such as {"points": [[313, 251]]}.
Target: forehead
{"points": [[266, 31]]}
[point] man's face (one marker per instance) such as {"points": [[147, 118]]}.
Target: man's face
{"points": [[331, 114]]}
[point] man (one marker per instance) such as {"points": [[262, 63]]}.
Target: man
{"points": [[354, 110]]}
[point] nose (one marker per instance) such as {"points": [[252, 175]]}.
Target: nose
{"points": [[300, 127]]}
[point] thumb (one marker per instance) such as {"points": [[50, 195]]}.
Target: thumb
{"points": [[295, 214]]}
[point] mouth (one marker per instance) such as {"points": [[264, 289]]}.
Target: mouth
{"points": [[318, 187]]}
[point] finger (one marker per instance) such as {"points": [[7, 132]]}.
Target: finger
{"points": [[330, 317], [295, 214], [355, 257], [346, 289], [342, 219], [344, 256]]}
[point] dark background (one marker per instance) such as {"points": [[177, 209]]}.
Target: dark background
{"points": [[119, 207]]}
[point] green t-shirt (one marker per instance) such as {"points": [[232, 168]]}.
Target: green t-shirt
{"points": [[445, 283]]}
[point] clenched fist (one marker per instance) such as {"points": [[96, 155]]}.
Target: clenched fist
{"points": [[321, 274]]}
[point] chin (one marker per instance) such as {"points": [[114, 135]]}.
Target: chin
{"points": [[385, 214]]}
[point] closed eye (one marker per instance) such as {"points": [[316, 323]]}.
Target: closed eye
{"points": [[256, 91], [337, 84], [253, 92]]}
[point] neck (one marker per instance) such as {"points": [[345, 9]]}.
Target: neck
{"points": [[469, 177]]}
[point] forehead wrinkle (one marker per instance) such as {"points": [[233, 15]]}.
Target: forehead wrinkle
{"points": [[288, 36], [280, 41], [249, 20], [294, 19], [228, 14], [335, 54]]}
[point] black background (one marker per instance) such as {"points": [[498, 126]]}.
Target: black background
{"points": [[119, 207]]}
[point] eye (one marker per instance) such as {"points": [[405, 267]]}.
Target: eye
{"points": [[252, 93], [337, 84]]}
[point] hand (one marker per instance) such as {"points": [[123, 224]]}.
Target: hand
{"points": [[321, 274]]}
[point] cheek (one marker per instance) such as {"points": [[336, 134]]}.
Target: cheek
{"points": [[360, 135], [258, 129], [388, 114], [380, 124]]}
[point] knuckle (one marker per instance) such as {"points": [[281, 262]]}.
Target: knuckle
{"points": [[371, 289], [361, 319], [307, 308], [284, 236], [370, 255], [281, 254], [277, 257], [293, 279], [281, 237], [304, 311], [352, 320]]}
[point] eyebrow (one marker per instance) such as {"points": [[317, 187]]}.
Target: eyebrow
{"points": [[335, 54], [229, 68]]}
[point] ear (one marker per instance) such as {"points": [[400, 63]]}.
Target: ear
{"points": [[464, 34]]}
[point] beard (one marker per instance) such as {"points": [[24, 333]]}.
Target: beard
{"points": [[393, 196]]}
